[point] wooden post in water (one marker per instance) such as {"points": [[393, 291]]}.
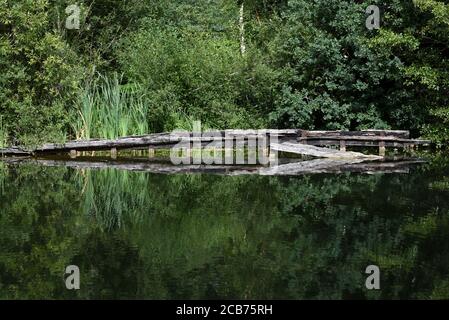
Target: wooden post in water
{"points": [[304, 135], [114, 153], [188, 152], [266, 152], [271, 156], [151, 153], [342, 145], [382, 148]]}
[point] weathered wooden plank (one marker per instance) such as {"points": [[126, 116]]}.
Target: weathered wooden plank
{"points": [[365, 143], [14, 151], [158, 139], [99, 144], [404, 134], [314, 151], [365, 138], [245, 132]]}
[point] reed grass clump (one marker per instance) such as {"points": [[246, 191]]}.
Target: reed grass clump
{"points": [[107, 109]]}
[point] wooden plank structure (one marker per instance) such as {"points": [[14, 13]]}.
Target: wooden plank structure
{"points": [[366, 138], [161, 140], [288, 140], [14, 152], [314, 151]]}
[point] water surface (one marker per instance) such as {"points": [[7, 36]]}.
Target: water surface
{"points": [[204, 236]]}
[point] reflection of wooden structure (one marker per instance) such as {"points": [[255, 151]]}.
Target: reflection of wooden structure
{"points": [[340, 166], [293, 168], [288, 140]]}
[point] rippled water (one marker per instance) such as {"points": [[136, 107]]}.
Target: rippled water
{"points": [[183, 236]]}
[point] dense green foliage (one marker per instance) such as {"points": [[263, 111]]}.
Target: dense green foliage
{"points": [[307, 64]]}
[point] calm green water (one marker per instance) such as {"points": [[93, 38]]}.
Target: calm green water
{"points": [[141, 235]]}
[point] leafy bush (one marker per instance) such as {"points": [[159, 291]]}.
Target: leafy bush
{"points": [[198, 74], [439, 130], [332, 78], [39, 74]]}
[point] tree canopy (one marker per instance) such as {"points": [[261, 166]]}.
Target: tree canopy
{"points": [[307, 64]]}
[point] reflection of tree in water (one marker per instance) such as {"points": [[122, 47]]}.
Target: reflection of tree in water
{"points": [[109, 265], [3, 173], [350, 221], [206, 236], [39, 231]]}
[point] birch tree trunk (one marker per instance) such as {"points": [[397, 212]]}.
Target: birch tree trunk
{"points": [[242, 31]]}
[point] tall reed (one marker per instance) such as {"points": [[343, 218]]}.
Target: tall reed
{"points": [[115, 197], [107, 109]]}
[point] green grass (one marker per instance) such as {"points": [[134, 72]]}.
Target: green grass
{"points": [[109, 110]]}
